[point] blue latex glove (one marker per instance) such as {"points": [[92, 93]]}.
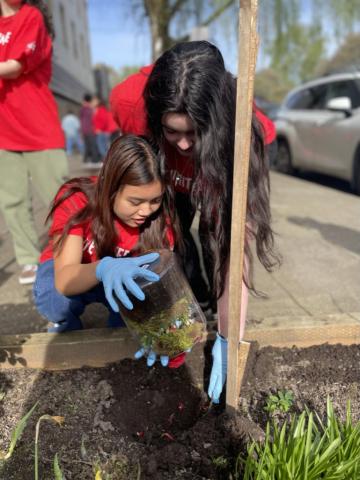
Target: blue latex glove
{"points": [[219, 368], [151, 357], [117, 273]]}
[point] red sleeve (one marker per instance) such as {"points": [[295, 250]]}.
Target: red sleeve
{"points": [[170, 236], [65, 211], [112, 125], [267, 126], [127, 103], [32, 44]]}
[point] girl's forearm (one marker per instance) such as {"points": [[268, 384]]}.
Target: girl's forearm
{"points": [[223, 306], [223, 311], [75, 279], [10, 69]]}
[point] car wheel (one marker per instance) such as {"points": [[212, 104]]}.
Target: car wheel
{"points": [[356, 175], [283, 160]]}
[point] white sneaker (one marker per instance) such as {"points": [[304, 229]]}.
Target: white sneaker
{"points": [[28, 274], [95, 166]]}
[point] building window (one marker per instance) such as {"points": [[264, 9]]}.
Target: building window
{"points": [[63, 27], [74, 40], [82, 49]]}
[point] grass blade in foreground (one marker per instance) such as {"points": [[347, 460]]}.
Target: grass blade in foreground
{"points": [[16, 434], [57, 470], [56, 419]]}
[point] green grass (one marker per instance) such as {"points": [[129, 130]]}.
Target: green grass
{"points": [[305, 448]]}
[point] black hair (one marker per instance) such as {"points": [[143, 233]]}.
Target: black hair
{"points": [[44, 9], [87, 97], [191, 78]]}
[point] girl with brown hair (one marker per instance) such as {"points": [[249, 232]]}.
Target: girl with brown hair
{"points": [[98, 225]]}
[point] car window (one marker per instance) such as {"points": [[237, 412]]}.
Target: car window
{"points": [[308, 99], [298, 100], [346, 88], [318, 97]]}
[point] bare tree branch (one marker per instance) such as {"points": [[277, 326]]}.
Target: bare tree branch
{"points": [[177, 5], [217, 13]]}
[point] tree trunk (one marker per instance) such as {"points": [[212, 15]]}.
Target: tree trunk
{"points": [[159, 14]]}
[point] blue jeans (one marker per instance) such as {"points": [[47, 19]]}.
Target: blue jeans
{"points": [[64, 311], [102, 142], [74, 141]]}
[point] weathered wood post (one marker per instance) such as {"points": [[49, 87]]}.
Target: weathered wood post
{"points": [[247, 50]]}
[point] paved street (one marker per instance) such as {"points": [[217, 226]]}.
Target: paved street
{"points": [[318, 235]]}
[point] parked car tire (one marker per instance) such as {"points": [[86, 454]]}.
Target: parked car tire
{"points": [[356, 175], [283, 162]]}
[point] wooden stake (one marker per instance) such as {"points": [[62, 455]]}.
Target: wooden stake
{"points": [[248, 41]]}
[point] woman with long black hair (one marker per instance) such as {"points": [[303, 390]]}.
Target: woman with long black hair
{"points": [[190, 101]]}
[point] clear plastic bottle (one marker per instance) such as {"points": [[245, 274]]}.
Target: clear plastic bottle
{"points": [[169, 320]]}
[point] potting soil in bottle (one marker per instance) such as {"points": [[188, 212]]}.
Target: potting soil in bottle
{"points": [[169, 320]]}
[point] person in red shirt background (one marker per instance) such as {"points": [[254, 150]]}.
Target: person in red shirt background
{"points": [[101, 125], [98, 225], [91, 156], [31, 141], [186, 104]]}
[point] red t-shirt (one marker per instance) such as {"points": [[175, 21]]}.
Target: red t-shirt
{"points": [[28, 113], [127, 237], [101, 119], [180, 169]]}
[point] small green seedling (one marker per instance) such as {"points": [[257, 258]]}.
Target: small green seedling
{"points": [[282, 401], [220, 462]]}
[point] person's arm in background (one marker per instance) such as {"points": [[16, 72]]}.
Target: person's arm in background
{"points": [[32, 46], [10, 69]]}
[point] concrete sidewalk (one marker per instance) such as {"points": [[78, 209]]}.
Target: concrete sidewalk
{"points": [[318, 235]]}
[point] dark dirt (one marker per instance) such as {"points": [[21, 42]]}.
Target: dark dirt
{"points": [[140, 423]]}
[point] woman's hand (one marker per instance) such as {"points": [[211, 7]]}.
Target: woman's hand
{"points": [[118, 273], [219, 368]]}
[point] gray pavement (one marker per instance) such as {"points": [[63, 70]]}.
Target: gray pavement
{"points": [[318, 235]]}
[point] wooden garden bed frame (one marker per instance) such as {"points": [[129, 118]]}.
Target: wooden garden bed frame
{"points": [[98, 347]]}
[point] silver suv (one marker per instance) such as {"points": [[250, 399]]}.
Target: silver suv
{"points": [[318, 128]]}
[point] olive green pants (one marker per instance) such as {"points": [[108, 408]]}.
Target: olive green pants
{"points": [[47, 170]]}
